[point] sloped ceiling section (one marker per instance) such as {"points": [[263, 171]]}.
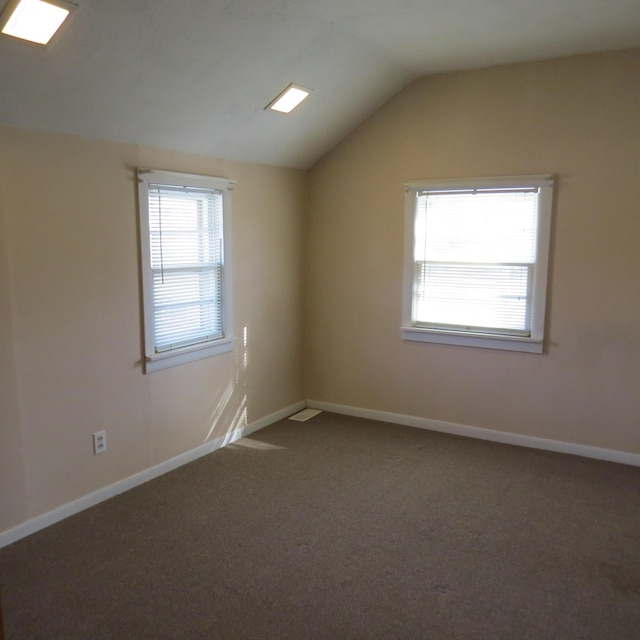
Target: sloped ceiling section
{"points": [[195, 75]]}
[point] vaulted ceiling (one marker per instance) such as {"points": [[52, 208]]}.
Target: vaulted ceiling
{"points": [[195, 75]]}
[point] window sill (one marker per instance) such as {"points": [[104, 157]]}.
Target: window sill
{"points": [[177, 357], [483, 341]]}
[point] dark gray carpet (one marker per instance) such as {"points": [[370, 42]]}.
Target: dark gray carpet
{"points": [[343, 528]]}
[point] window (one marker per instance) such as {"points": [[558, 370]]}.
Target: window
{"points": [[184, 234], [476, 254]]}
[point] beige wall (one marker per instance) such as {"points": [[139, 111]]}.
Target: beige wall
{"points": [[578, 118], [12, 480], [70, 333]]}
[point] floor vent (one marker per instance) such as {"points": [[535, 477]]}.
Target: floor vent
{"points": [[305, 414]]}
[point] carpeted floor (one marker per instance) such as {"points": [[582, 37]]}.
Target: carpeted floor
{"points": [[343, 528]]}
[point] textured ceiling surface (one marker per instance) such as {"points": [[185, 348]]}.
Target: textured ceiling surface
{"points": [[195, 75]]}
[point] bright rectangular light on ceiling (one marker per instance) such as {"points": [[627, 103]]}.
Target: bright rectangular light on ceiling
{"points": [[34, 20], [289, 99]]}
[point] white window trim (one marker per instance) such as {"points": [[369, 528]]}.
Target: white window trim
{"points": [[157, 361], [530, 344]]}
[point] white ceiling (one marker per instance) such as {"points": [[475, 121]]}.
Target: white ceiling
{"points": [[194, 75]]}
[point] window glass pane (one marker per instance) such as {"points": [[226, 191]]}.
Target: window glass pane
{"points": [[497, 227], [473, 296], [185, 228]]}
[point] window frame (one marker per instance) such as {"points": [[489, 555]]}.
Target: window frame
{"points": [[533, 343], [154, 360]]}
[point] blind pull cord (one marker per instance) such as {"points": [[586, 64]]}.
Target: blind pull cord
{"points": [[160, 233]]}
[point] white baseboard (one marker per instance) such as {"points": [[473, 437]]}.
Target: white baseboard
{"points": [[51, 517], [480, 433]]}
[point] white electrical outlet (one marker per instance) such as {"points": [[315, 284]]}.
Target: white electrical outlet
{"points": [[99, 442]]}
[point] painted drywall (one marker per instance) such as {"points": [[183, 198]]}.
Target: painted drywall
{"points": [[70, 310], [12, 481], [577, 118]]}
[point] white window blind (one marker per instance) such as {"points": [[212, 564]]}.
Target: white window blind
{"points": [[186, 242], [475, 254]]}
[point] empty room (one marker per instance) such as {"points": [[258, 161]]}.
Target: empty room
{"points": [[410, 227]]}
